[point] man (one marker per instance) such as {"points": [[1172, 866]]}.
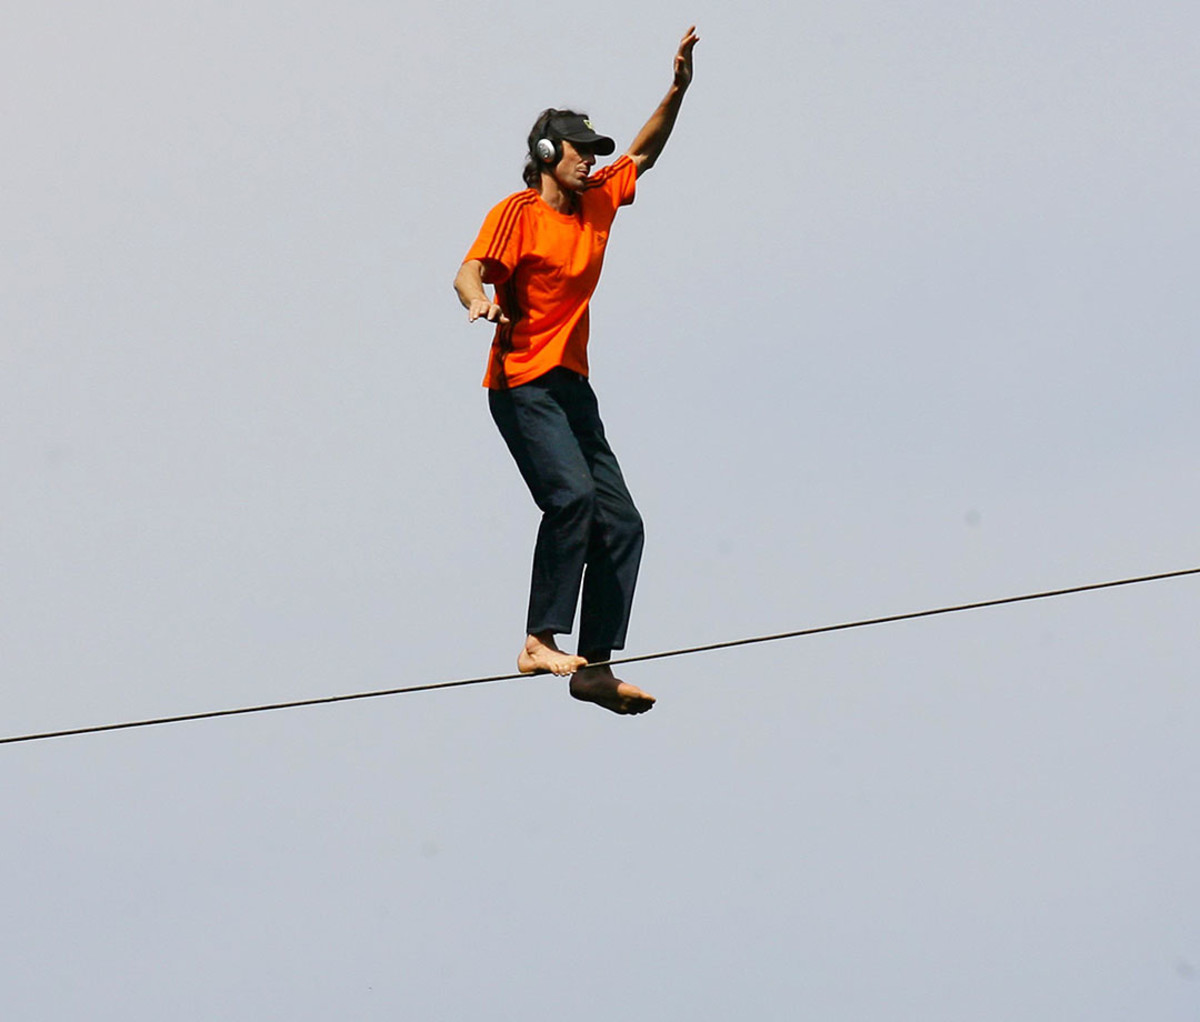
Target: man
{"points": [[542, 249]]}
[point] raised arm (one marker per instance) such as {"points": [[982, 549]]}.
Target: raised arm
{"points": [[645, 149]]}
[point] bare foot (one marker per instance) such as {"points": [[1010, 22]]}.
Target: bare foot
{"points": [[541, 654], [597, 685]]}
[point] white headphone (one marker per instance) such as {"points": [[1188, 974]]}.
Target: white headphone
{"points": [[548, 150]]}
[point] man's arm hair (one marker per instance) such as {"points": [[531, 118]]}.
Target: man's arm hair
{"points": [[468, 283], [648, 145]]}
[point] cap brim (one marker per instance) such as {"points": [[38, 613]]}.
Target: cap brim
{"points": [[577, 128], [601, 145]]}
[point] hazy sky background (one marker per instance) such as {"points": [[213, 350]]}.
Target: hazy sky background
{"points": [[905, 315]]}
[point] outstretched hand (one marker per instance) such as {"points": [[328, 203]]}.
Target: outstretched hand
{"points": [[683, 58], [481, 308]]}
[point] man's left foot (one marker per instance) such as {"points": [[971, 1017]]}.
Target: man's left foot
{"points": [[597, 685], [540, 653]]}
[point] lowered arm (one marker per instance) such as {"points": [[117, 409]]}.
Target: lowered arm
{"points": [[468, 282]]}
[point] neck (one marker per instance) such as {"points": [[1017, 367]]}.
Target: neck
{"points": [[558, 198]]}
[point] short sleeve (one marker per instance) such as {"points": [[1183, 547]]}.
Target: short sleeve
{"points": [[501, 238], [618, 180]]}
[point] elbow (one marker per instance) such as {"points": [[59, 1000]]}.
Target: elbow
{"points": [[470, 271]]}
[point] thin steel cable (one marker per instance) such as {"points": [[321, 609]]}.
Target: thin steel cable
{"points": [[910, 616], [863, 623]]}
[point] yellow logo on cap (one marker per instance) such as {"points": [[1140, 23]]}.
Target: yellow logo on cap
{"points": [[588, 124]]}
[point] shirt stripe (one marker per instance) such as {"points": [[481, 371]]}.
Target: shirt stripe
{"points": [[507, 223]]}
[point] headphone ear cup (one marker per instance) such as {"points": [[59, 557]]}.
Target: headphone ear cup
{"points": [[546, 150]]}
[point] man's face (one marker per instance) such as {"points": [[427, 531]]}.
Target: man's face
{"points": [[575, 166]]}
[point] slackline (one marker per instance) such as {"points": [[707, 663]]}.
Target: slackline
{"points": [[324, 700]]}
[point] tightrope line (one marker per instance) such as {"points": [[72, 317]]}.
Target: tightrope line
{"points": [[863, 623]]}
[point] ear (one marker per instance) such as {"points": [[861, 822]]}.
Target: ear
{"points": [[548, 151]]}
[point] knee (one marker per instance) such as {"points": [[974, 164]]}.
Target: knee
{"points": [[628, 525], [576, 500]]}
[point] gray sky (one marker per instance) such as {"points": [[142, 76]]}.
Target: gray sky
{"points": [[904, 316]]}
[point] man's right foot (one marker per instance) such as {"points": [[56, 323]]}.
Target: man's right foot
{"points": [[598, 685], [541, 655]]}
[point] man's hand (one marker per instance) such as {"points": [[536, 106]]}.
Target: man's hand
{"points": [[482, 308], [683, 58]]}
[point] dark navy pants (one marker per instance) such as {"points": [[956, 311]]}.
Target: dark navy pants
{"points": [[552, 427]]}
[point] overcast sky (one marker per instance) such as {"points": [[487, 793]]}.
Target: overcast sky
{"points": [[904, 316]]}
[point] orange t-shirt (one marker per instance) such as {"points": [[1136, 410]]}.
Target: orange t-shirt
{"points": [[545, 266]]}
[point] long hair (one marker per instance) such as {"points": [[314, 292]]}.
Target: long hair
{"points": [[532, 173]]}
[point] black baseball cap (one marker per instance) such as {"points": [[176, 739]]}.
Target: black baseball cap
{"points": [[576, 128]]}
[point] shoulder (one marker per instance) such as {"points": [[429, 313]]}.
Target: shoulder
{"points": [[505, 233], [617, 181], [621, 167], [513, 205], [505, 222]]}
